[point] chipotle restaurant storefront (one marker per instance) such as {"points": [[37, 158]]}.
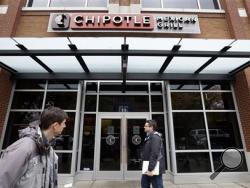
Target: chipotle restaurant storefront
{"points": [[110, 86]]}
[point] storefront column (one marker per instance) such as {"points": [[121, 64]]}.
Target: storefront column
{"points": [[242, 94], [5, 91]]}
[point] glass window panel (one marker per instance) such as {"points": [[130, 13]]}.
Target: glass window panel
{"points": [[159, 118], [137, 87], [30, 84], [185, 64], [151, 4], [145, 64], [17, 121], [180, 4], [22, 64], [218, 101], [27, 100], [198, 44], [103, 43], [224, 65], [88, 142], [223, 130], [217, 162], [103, 63], [97, 3], [58, 99], [62, 63], [184, 85], [157, 103], [46, 43], [65, 140], [37, 3], [123, 104], [189, 131], [136, 135], [64, 163], [209, 4], [186, 101], [156, 87], [193, 162], [63, 85], [91, 87], [90, 103], [67, 3], [111, 87], [215, 85], [110, 145]]}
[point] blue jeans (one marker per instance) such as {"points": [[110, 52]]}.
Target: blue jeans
{"points": [[155, 180]]}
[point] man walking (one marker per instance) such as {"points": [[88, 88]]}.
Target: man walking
{"points": [[31, 162], [153, 152]]}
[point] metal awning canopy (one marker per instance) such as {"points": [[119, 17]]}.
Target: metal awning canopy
{"points": [[123, 58]]}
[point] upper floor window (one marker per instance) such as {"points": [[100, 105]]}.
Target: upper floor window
{"points": [[67, 3], [184, 4]]}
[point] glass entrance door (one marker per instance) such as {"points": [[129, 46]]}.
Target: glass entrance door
{"points": [[119, 146]]}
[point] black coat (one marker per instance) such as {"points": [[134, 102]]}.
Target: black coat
{"points": [[151, 151]]}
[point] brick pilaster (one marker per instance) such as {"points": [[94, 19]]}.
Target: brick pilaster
{"points": [[233, 19]]}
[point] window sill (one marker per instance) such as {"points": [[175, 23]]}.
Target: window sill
{"points": [[168, 10], [64, 9]]}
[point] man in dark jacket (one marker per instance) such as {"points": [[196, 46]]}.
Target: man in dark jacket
{"points": [[31, 162], [153, 151]]}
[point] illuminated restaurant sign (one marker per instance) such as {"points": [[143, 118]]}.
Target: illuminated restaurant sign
{"points": [[87, 22]]}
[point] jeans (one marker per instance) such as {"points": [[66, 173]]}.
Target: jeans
{"points": [[155, 180]]}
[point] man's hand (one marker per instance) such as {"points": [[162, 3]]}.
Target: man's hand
{"points": [[149, 173]]}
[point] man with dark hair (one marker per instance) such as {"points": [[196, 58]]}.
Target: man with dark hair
{"points": [[31, 162], [153, 152]]}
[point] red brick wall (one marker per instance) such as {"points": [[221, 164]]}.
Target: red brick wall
{"points": [[5, 90], [9, 20], [242, 92], [233, 18]]}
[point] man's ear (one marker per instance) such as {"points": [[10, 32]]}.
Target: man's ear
{"points": [[53, 125]]}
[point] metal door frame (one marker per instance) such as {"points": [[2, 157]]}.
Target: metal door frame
{"points": [[123, 174]]}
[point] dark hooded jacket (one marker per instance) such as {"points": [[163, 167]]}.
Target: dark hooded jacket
{"points": [[153, 151], [30, 162]]}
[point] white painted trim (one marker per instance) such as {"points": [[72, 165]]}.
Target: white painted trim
{"points": [[64, 9], [168, 10]]}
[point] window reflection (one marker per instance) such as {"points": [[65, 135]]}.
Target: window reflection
{"points": [[180, 4], [58, 99], [123, 104], [223, 130], [90, 103], [157, 103], [31, 84], [189, 130], [27, 100], [67, 3], [193, 162], [209, 4], [184, 85], [64, 163], [186, 101], [151, 4], [215, 85], [218, 101], [88, 142]]}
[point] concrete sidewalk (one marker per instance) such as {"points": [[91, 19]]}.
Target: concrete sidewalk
{"points": [[136, 184]]}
